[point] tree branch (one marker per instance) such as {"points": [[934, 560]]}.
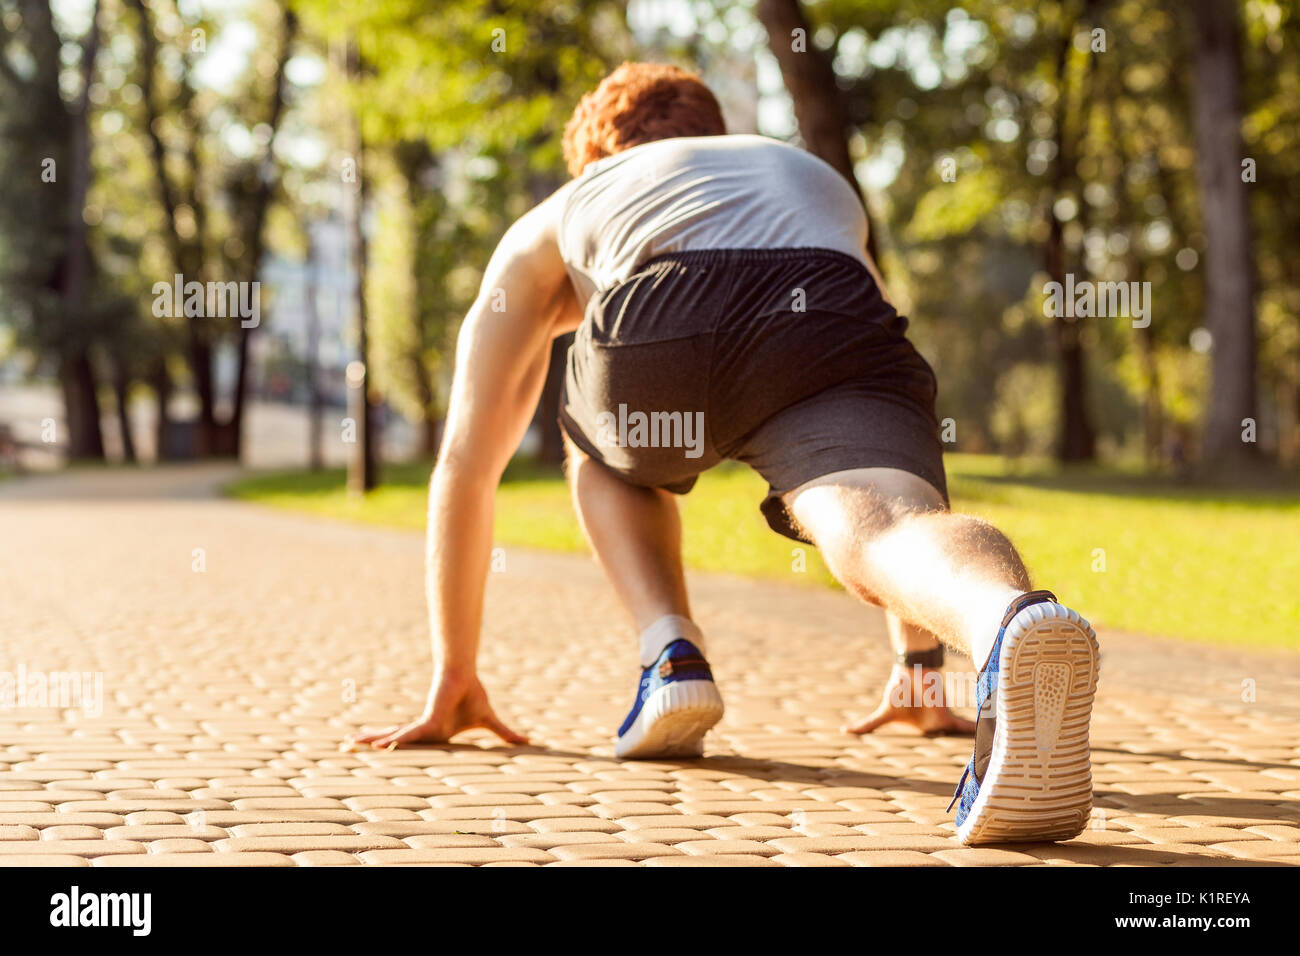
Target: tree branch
{"points": [[149, 60], [810, 80]]}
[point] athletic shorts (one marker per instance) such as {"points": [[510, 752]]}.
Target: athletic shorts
{"points": [[788, 360]]}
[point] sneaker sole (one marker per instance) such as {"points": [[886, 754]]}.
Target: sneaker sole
{"points": [[1038, 785], [673, 722]]}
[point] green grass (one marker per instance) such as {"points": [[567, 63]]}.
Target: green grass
{"points": [[1136, 554]]}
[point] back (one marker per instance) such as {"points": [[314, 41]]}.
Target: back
{"points": [[706, 192]]}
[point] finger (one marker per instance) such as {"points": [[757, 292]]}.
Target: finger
{"points": [[402, 735], [367, 738], [881, 716], [354, 742], [381, 741], [494, 724]]}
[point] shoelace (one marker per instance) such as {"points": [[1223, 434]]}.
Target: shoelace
{"points": [[960, 784]]}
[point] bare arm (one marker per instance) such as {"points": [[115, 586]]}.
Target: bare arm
{"points": [[502, 355], [501, 360]]}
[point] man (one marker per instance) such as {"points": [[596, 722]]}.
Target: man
{"points": [[725, 308]]}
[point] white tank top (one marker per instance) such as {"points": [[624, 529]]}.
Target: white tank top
{"points": [[702, 192]]}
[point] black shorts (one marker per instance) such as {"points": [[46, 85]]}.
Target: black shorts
{"points": [[786, 359]]}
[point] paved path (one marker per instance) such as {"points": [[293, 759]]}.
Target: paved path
{"points": [[225, 693]]}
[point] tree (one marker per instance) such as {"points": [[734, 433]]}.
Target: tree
{"points": [[49, 270], [471, 159], [422, 329], [1229, 264], [363, 461], [1077, 439], [810, 81], [76, 373], [246, 190], [185, 215], [251, 191]]}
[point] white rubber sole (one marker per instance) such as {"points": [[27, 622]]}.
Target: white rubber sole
{"points": [[1038, 785], [673, 721]]}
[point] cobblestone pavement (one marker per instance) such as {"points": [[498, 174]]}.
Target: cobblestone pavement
{"points": [[226, 691]]}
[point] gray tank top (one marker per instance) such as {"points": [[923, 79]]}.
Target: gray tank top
{"points": [[702, 192]]}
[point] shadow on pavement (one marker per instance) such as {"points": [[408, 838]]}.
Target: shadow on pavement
{"points": [[1070, 852]]}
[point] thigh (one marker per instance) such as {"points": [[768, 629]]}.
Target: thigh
{"points": [[877, 437], [888, 484], [640, 409], [857, 501]]}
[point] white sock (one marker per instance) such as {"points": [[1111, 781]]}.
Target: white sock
{"points": [[663, 632]]}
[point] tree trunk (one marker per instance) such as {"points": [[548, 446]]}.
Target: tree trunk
{"points": [[1293, 444], [1229, 264], [121, 389], [431, 436], [429, 421], [186, 250], [425, 394], [1153, 412], [362, 471], [200, 355], [161, 381], [1076, 440], [1152, 405], [254, 241], [810, 80], [416, 161], [81, 404], [1288, 412], [85, 440], [315, 402]]}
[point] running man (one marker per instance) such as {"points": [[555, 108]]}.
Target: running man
{"points": [[725, 308]]}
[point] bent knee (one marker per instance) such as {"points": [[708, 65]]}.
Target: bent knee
{"points": [[968, 535], [839, 517], [574, 457]]}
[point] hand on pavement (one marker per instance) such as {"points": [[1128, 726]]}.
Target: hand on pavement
{"points": [[455, 705], [919, 704]]}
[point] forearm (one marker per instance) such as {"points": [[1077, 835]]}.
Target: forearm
{"points": [[458, 554]]}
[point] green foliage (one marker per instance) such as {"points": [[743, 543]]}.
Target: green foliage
{"points": [[979, 86], [960, 112], [955, 209], [461, 107], [1024, 409]]}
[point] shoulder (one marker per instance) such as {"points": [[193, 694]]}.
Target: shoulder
{"points": [[542, 223], [536, 233], [528, 255]]}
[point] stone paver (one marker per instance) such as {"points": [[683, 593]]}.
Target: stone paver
{"points": [[224, 651]]}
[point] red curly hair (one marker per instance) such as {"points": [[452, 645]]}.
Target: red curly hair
{"points": [[639, 103]]}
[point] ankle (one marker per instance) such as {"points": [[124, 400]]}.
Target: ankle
{"points": [[986, 622], [664, 631]]}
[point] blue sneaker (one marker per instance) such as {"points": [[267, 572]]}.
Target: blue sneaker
{"points": [[676, 704], [1030, 778]]}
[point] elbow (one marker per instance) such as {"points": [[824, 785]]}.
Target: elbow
{"points": [[461, 465]]}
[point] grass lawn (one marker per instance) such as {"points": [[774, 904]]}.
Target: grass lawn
{"points": [[1142, 555]]}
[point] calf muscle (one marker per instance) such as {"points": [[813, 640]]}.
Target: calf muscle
{"points": [[947, 573]]}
